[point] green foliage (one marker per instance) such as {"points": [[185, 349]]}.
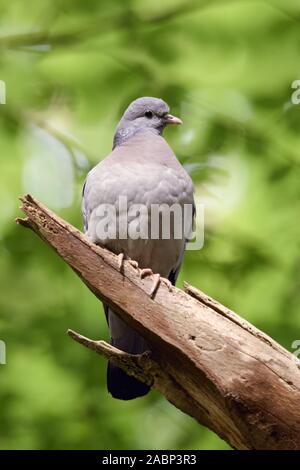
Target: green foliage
{"points": [[70, 69]]}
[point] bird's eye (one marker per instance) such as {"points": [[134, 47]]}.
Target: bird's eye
{"points": [[149, 114]]}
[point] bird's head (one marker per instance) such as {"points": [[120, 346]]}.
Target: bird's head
{"points": [[145, 113]]}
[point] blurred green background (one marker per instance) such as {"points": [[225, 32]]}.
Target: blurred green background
{"points": [[71, 68]]}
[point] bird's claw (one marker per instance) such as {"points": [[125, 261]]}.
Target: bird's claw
{"points": [[121, 257], [155, 285], [167, 283], [133, 263], [157, 279], [146, 272]]}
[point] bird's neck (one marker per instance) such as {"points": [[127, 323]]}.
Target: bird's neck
{"points": [[123, 134]]}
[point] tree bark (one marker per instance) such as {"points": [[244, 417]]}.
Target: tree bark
{"points": [[205, 359]]}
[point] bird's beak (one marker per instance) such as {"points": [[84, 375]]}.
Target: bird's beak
{"points": [[172, 119]]}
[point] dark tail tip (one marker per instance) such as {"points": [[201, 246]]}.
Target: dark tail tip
{"points": [[123, 386]]}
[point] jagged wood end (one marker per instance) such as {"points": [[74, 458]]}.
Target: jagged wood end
{"points": [[139, 366], [25, 222]]}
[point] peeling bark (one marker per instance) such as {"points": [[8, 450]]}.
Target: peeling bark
{"points": [[205, 359]]}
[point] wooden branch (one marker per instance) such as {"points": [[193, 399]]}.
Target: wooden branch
{"points": [[206, 360]]}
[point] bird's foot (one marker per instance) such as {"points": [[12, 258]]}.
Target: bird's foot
{"points": [[155, 285], [121, 258], [133, 263], [167, 283], [146, 272], [156, 279]]}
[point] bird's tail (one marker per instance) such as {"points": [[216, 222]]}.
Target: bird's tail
{"points": [[119, 384]]}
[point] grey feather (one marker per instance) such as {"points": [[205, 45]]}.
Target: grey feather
{"points": [[143, 168]]}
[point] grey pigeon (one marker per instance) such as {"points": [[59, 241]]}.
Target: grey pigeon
{"points": [[143, 169]]}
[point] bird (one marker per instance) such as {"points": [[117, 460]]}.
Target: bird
{"points": [[142, 168]]}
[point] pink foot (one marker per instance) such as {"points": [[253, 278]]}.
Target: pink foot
{"points": [[121, 258], [146, 272], [156, 279], [167, 283], [133, 263]]}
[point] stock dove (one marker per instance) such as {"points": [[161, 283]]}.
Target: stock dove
{"points": [[143, 170]]}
